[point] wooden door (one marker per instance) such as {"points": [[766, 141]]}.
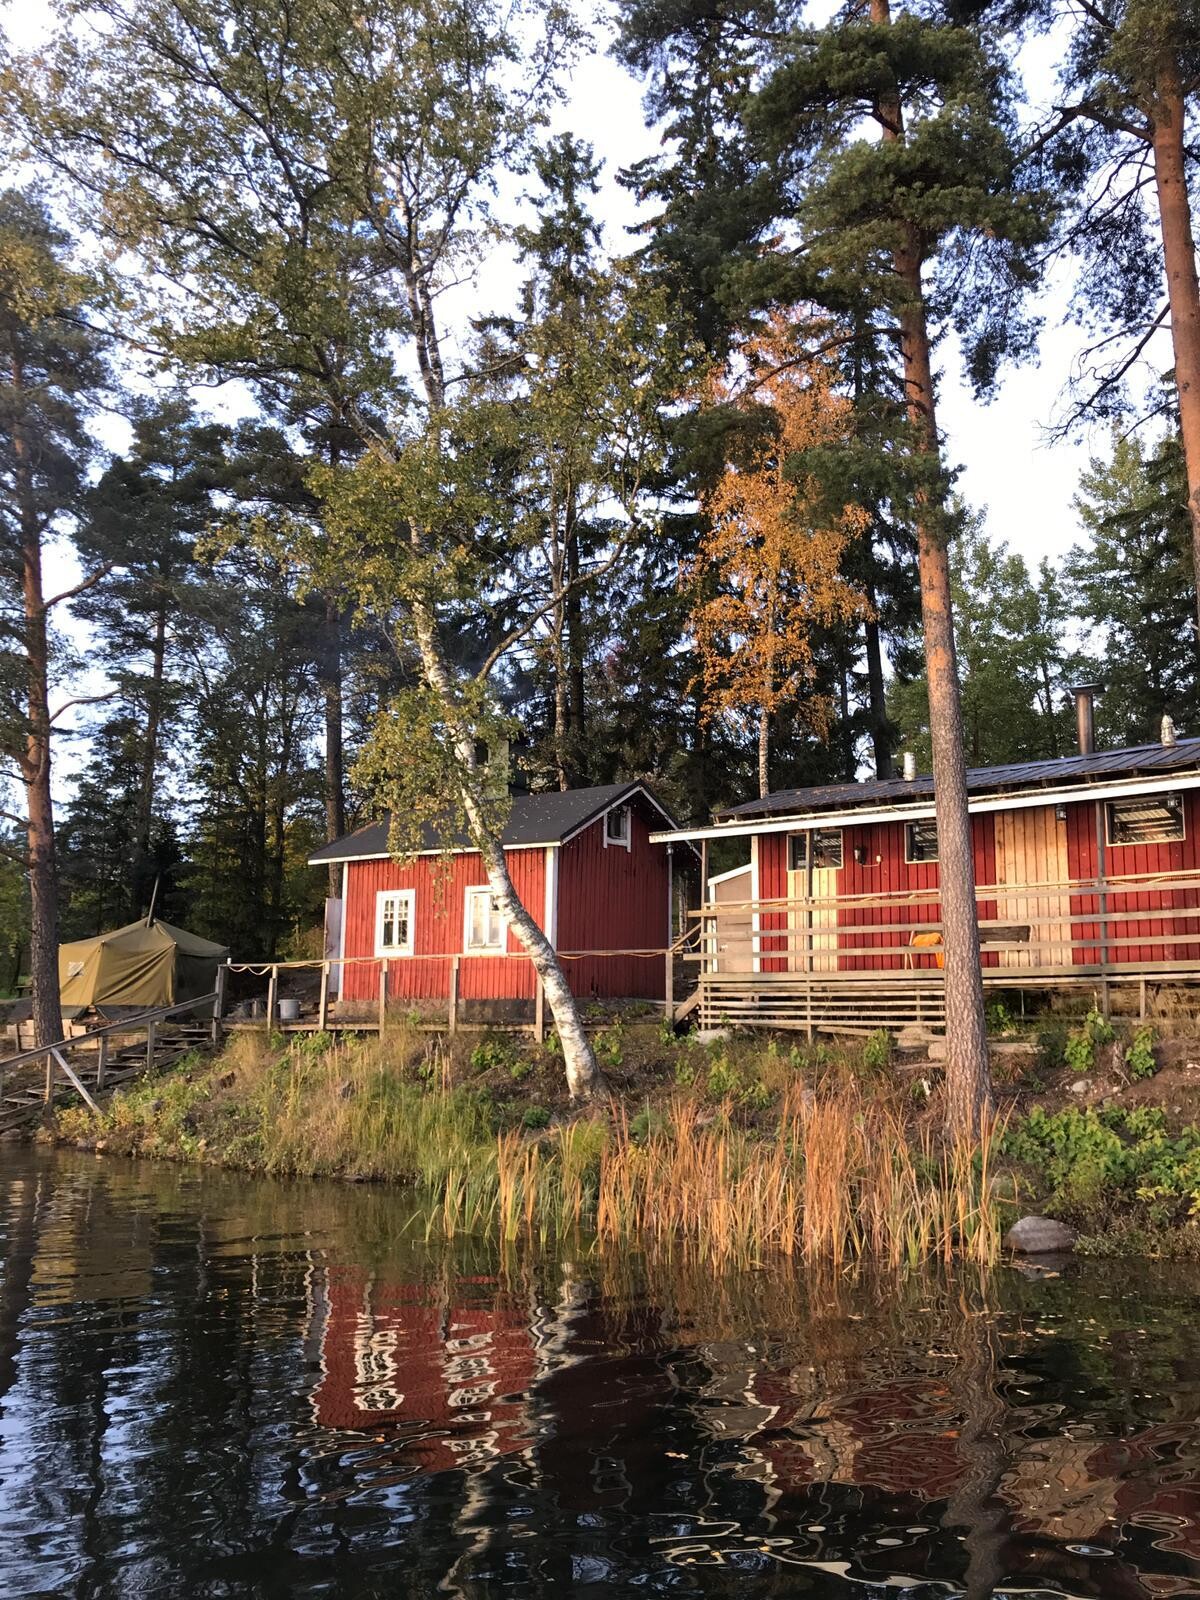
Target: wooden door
{"points": [[1031, 849]]}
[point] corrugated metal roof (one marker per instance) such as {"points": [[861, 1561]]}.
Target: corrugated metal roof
{"points": [[1148, 758], [546, 818]]}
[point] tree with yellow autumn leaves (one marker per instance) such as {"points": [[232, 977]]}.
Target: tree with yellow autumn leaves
{"points": [[767, 575]]}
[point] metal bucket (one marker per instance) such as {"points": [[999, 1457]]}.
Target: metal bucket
{"points": [[289, 1010]]}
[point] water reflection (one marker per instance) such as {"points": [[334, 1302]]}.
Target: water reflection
{"points": [[210, 1386]]}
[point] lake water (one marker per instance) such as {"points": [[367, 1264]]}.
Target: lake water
{"points": [[216, 1386]]}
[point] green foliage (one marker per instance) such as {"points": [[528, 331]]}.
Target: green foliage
{"points": [[1098, 1163], [535, 1117], [723, 1079], [1000, 1019], [609, 1046], [1081, 1045], [649, 1123], [685, 1072], [877, 1050], [1052, 1045], [520, 1070], [1140, 1061], [494, 1051]]}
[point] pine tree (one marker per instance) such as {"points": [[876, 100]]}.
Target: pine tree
{"points": [[923, 217], [49, 367]]}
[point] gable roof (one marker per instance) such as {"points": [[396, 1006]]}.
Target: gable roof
{"points": [[1017, 776], [534, 820]]}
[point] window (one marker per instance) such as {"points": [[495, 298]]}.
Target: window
{"points": [[920, 841], [394, 922], [826, 849], [485, 926], [1150, 819], [616, 826]]}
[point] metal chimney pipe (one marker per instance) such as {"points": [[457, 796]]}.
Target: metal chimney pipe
{"points": [[1085, 715], [910, 767]]}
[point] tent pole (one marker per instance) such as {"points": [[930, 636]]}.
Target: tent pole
{"points": [[153, 901]]}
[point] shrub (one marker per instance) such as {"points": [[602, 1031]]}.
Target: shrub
{"points": [[1083, 1042], [608, 1046], [1052, 1045], [536, 1117], [1100, 1162], [648, 1124], [1000, 1019], [877, 1050], [1140, 1060], [493, 1051], [685, 1073], [723, 1079]]}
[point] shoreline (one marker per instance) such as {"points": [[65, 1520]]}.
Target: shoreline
{"points": [[738, 1148]]}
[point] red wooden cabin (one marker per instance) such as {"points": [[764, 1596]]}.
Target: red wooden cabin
{"points": [[585, 867], [1087, 872]]}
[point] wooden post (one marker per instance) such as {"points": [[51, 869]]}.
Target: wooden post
{"points": [[151, 1041], [669, 976], [49, 1092], [219, 1002], [539, 1013], [272, 992], [1142, 998], [323, 1002], [452, 1007], [703, 950], [101, 1060], [382, 996], [1102, 903]]}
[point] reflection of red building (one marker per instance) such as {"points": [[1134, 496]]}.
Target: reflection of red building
{"points": [[454, 1378]]}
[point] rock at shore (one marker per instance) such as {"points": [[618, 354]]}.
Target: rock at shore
{"points": [[1039, 1236]]}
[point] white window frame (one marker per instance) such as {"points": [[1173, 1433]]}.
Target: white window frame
{"points": [[811, 835], [625, 842], [482, 949], [921, 861], [1180, 810], [409, 896]]}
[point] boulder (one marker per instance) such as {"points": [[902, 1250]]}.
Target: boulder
{"points": [[1039, 1236]]}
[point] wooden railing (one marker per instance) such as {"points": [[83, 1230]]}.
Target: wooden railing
{"points": [[1105, 926], [56, 1055]]}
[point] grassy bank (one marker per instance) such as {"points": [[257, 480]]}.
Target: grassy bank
{"points": [[733, 1154], [734, 1150]]}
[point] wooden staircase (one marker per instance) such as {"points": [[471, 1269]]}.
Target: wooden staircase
{"points": [[90, 1065]]}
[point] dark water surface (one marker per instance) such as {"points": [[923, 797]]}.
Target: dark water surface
{"points": [[213, 1386]]}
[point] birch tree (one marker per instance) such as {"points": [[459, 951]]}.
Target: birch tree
{"points": [[297, 186]]}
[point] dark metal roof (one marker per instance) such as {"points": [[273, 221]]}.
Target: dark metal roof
{"points": [[546, 818], [1021, 775]]}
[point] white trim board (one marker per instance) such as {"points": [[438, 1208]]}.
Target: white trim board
{"points": [[918, 811]]}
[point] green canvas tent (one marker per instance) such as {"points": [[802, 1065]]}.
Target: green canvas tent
{"points": [[145, 965]]}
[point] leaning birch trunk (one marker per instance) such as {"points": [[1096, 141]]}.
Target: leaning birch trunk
{"points": [[968, 1076], [1183, 288], [584, 1079]]}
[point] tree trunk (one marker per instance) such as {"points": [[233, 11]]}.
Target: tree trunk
{"points": [[335, 785], [881, 730], [1183, 290], [764, 753], [145, 810], [968, 1079], [577, 716], [35, 757], [584, 1078]]}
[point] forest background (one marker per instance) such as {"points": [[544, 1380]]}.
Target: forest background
{"points": [[228, 697]]}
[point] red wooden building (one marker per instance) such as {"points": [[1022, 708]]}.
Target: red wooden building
{"points": [[1087, 872], [584, 866]]}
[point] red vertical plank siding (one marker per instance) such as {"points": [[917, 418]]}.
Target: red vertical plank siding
{"points": [[773, 885], [883, 871], [440, 887], [1162, 938], [610, 898], [983, 843]]}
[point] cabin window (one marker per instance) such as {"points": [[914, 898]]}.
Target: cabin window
{"points": [[920, 841], [826, 849], [616, 826], [394, 922], [485, 925], [1150, 819]]}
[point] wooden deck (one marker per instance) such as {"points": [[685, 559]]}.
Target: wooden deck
{"points": [[851, 964]]}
